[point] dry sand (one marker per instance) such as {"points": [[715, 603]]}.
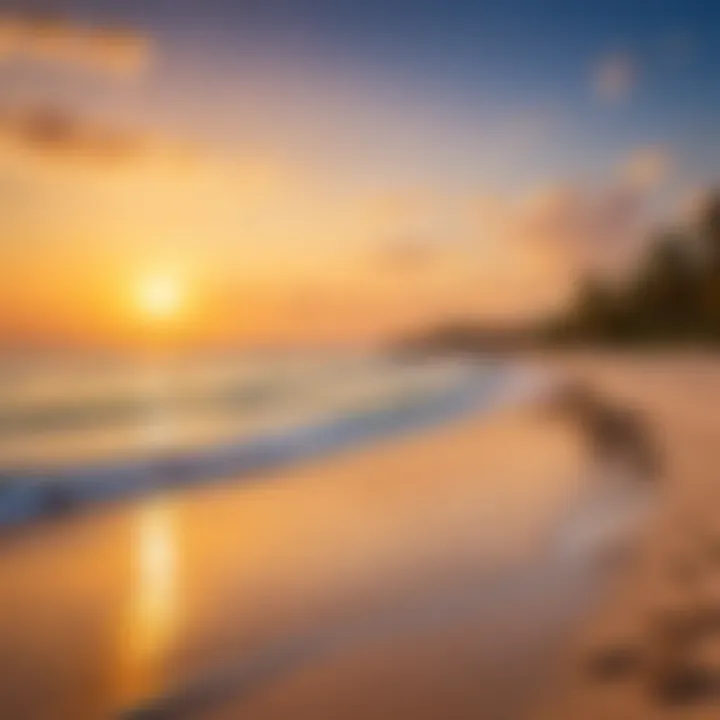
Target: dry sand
{"points": [[652, 649]]}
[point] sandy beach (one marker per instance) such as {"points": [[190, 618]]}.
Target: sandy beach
{"points": [[378, 581], [652, 648], [423, 577]]}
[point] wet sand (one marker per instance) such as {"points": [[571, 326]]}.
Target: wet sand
{"points": [[403, 580]]}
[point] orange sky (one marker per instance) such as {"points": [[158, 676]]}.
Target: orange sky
{"points": [[265, 245]]}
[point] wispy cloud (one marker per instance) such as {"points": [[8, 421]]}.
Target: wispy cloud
{"points": [[53, 41], [520, 254], [58, 134], [47, 137], [615, 77], [559, 229], [646, 168], [693, 204]]}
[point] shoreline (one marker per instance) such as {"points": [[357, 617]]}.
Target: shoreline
{"points": [[45, 492], [425, 576], [156, 593], [650, 651]]}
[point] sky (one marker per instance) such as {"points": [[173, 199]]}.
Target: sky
{"points": [[328, 171]]}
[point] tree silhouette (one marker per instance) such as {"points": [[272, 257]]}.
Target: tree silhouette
{"points": [[673, 295]]}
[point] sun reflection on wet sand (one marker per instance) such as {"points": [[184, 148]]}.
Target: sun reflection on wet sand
{"points": [[151, 618]]}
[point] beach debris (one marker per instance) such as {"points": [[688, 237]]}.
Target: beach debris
{"points": [[683, 683], [688, 674], [686, 655], [612, 433], [616, 661]]}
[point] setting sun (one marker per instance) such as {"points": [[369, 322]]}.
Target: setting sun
{"points": [[159, 296]]}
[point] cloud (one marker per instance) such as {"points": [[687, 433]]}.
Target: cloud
{"points": [[600, 230], [693, 204], [55, 134], [112, 51], [45, 138], [559, 230], [521, 254], [615, 77], [646, 168], [409, 254], [588, 225], [603, 219], [566, 219]]}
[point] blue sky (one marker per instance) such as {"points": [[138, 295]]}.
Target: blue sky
{"points": [[471, 64]]}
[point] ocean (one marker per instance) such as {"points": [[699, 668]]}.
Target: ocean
{"points": [[80, 429]]}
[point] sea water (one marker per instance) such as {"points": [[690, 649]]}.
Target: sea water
{"points": [[79, 428]]}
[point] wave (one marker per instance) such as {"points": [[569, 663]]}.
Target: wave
{"points": [[47, 490]]}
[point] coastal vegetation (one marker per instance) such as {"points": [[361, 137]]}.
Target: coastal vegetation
{"points": [[670, 297]]}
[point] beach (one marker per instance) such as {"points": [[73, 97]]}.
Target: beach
{"points": [[434, 574], [358, 360], [371, 561], [650, 650]]}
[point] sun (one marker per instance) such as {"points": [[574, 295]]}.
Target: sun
{"points": [[159, 296]]}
